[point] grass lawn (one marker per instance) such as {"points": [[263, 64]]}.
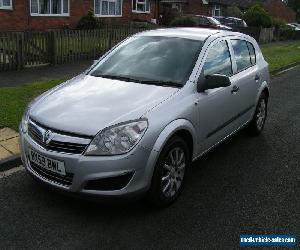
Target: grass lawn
{"points": [[281, 54], [14, 100]]}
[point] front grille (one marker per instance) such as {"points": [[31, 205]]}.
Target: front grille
{"points": [[36, 133], [53, 177]]}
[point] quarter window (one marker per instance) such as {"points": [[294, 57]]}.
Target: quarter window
{"points": [[241, 54], [5, 4], [108, 8], [218, 60], [49, 7], [141, 6]]}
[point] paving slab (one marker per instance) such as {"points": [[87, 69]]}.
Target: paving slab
{"points": [[12, 145], [4, 153], [7, 133]]}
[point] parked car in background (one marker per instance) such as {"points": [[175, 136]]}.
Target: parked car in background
{"points": [[136, 120], [294, 26], [232, 22], [209, 22]]}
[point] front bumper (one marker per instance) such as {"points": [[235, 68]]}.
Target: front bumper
{"points": [[83, 169]]}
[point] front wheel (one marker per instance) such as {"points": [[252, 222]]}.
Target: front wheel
{"points": [[169, 173], [258, 121]]}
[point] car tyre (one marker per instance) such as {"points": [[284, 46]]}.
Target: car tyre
{"points": [[256, 126], [169, 173]]}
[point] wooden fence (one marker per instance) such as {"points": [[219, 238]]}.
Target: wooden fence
{"points": [[34, 48]]}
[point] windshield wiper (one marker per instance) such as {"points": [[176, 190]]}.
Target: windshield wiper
{"points": [[150, 82], [115, 77], [162, 83]]}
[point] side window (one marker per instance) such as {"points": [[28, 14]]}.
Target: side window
{"points": [[218, 60], [203, 21], [252, 53], [241, 54]]}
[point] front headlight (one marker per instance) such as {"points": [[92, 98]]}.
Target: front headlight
{"points": [[25, 118], [25, 121], [118, 139]]}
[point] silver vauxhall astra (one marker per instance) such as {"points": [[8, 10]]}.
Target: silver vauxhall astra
{"points": [[133, 123]]}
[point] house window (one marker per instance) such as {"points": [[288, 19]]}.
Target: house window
{"points": [[141, 6], [6, 4], [217, 10], [49, 7], [108, 8]]}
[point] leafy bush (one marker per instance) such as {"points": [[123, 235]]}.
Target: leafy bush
{"points": [[183, 22], [278, 23], [257, 16], [88, 22], [286, 33], [233, 11], [142, 24]]}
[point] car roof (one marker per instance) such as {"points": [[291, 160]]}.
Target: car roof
{"points": [[191, 33], [201, 34]]}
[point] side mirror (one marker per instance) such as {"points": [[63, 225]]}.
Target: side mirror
{"points": [[212, 82]]}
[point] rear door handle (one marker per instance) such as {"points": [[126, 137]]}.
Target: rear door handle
{"points": [[235, 89], [257, 77]]}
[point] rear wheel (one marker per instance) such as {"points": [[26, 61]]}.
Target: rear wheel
{"points": [[169, 173], [258, 121]]}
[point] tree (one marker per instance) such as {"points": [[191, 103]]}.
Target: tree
{"points": [[257, 16], [233, 11]]}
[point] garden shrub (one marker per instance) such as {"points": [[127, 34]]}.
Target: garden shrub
{"points": [[233, 11], [183, 22], [257, 16], [286, 33], [88, 22], [278, 23]]}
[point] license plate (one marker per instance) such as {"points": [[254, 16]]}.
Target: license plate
{"points": [[47, 163]]}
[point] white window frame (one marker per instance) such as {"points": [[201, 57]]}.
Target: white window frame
{"points": [[141, 2], [2, 7], [58, 15], [100, 8], [217, 8]]}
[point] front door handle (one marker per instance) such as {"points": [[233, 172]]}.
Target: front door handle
{"points": [[235, 89]]}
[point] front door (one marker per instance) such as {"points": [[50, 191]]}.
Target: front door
{"points": [[217, 107]]}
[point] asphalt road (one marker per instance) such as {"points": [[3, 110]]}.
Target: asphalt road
{"points": [[245, 186]]}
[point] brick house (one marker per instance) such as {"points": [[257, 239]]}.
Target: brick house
{"points": [[54, 14], [276, 8]]}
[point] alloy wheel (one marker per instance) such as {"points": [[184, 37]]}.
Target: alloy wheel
{"points": [[261, 114], [173, 171]]}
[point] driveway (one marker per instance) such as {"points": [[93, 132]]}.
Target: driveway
{"points": [[245, 186], [43, 73]]}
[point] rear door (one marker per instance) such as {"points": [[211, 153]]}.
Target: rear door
{"points": [[246, 78]]}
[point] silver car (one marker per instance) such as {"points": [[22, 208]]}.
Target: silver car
{"points": [[133, 123]]}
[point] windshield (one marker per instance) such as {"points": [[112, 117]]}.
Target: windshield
{"points": [[214, 20], [151, 60]]}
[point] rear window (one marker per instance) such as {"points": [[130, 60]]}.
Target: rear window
{"points": [[241, 54]]}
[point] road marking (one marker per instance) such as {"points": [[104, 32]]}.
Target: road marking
{"points": [[286, 70], [11, 171]]}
